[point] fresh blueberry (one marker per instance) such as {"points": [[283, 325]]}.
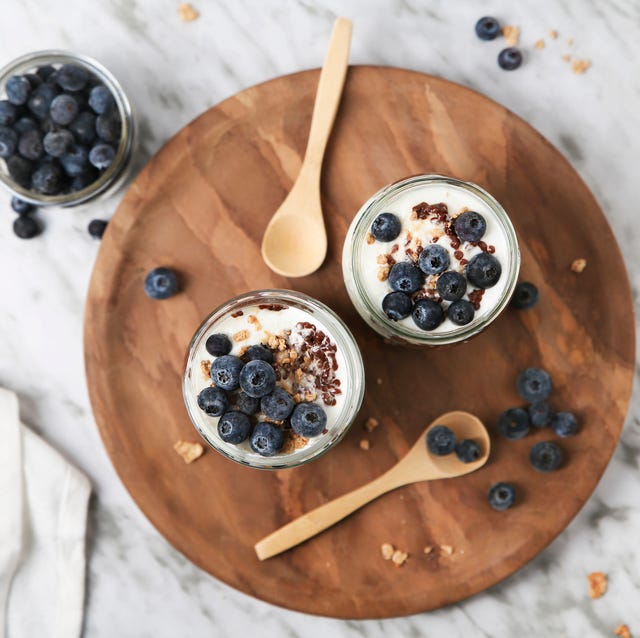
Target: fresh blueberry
{"points": [[47, 125], [564, 424], [434, 259], [405, 277], [396, 305], [539, 414], [218, 344], [545, 456], [259, 352], [108, 127], [44, 71], [47, 179], [57, 143], [8, 141], [502, 496], [30, 145], [487, 28], [213, 401], [533, 385], [26, 227], [25, 124], [385, 227], [20, 206], [247, 404], [40, 100], [34, 80], [509, 59], [72, 77], [102, 156], [96, 228], [8, 113], [525, 296], [451, 285], [308, 420], [278, 405], [266, 439], [470, 226], [225, 371], [514, 423], [18, 88], [427, 314], [63, 109], [84, 128], [234, 427], [162, 283], [467, 450], [20, 169], [76, 160], [84, 179], [483, 270], [100, 99], [258, 378], [441, 440], [461, 312]]}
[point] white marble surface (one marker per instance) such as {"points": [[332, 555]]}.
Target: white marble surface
{"points": [[137, 584]]}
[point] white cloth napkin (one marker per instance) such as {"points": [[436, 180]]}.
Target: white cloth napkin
{"points": [[43, 517]]}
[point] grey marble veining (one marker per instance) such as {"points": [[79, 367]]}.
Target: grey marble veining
{"points": [[138, 585]]}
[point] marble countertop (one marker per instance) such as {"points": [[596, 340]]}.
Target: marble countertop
{"points": [[137, 584]]}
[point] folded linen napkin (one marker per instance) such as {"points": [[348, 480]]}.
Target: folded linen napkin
{"points": [[43, 515]]}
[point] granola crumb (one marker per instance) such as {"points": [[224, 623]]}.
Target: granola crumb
{"points": [[428, 549], [252, 319], [622, 631], [399, 558], [187, 13], [387, 551], [371, 424], [511, 34], [566, 57], [188, 451], [578, 265], [383, 273], [241, 335], [539, 44], [446, 549], [205, 366], [370, 238], [580, 66], [553, 34], [569, 41], [364, 444], [597, 584]]}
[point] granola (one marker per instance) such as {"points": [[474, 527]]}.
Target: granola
{"points": [[597, 584], [188, 451]]}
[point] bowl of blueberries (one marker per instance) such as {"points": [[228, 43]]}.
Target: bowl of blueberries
{"points": [[67, 132]]}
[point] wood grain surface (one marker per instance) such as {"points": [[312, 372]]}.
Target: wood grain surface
{"points": [[201, 205]]}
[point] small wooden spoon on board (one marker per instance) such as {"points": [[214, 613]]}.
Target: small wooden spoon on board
{"points": [[295, 241], [418, 465]]}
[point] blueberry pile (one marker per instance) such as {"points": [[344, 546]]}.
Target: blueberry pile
{"points": [[250, 404], [488, 28], [441, 441], [59, 130]]}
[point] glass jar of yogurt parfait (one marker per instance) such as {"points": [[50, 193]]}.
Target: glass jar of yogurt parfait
{"points": [[273, 379], [430, 260]]}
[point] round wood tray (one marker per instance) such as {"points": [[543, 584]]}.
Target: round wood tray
{"points": [[201, 205]]}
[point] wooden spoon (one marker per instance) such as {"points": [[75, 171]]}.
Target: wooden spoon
{"points": [[418, 465], [295, 241]]}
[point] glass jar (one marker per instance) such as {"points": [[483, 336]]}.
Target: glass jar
{"points": [[359, 272], [117, 172], [262, 314]]}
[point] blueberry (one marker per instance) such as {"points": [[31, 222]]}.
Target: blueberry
{"points": [[545, 456], [30, 145], [509, 59], [84, 179], [533, 385], [451, 285], [72, 77], [487, 28], [162, 283], [213, 401], [247, 404], [258, 378], [20, 206], [405, 277], [218, 344], [225, 371], [483, 270], [525, 296], [20, 170], [234, 427], [18, 88], [385, 227], [100, 99], [47, 179], [470, 226], [34, 80], [47, 125], [63, 109], [278, 405], [8, 141], [266, 439], [84, 127], [108, 127], [76, 160], [8, 113], [57, 143], [41, 99], [308, 420], [96, 228], [434, 259], [441, 440], [502, 496], [102, 156], [514, 423], [26, 227], [25, 124], [467, 451], [396, 305], [539, 414], [44, 71], [259, 352], [427, 314], [564, 424], [461, 312]]}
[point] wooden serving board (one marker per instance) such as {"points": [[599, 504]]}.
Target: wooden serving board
{"points": [[201, 205]]}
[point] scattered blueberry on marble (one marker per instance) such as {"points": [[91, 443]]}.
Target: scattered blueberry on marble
{"points": [[257, 378], [467, 451], [258, 352], [483, 270], [470, 226], [96, 228], [26, 227], [540, 414], [213, 401], [308, 420], [510, 58], [451, 285], [234, 427], [533, 385], [161, 283], [461, 312], [20, 206], [434, 259], [396, 305], [385, 227], [405, 277], [266, 439], [514, 423], [225, 371], [441, 440], [245, 403], [564, 424], [277, 405], [501, 496], [218, 344], [545, 456], [487, 28], [525, 296], [427, 314]]}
